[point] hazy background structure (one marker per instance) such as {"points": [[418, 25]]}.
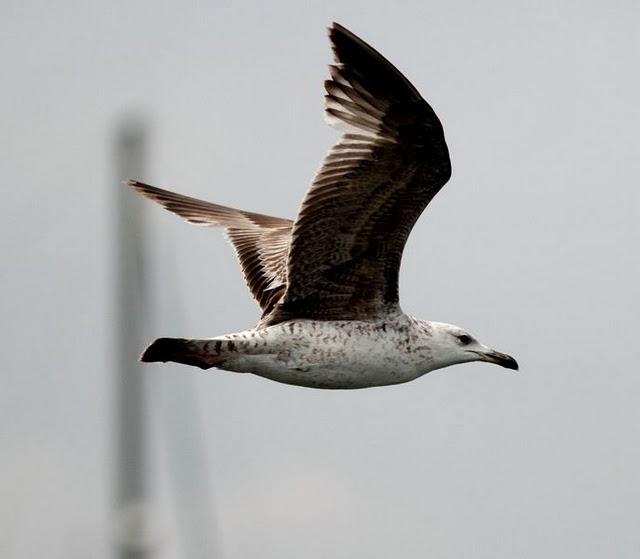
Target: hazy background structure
{"points": [[532, 245], [133, 301]]}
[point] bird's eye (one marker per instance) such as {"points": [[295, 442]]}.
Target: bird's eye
{"points": [[464, 339]]}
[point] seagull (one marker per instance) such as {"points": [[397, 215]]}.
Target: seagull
{"points": [[327, 282]]}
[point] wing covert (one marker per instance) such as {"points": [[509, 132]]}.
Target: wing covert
{"points": [[348, 238], [261, 241]]}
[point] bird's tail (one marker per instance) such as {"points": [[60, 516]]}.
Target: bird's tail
{"points": [[205, 353]]}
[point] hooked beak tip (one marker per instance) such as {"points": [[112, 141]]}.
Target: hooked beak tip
{"points": [[511, 363], [501, 359]]}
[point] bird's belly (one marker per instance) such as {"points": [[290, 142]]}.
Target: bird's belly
{"points": [[340, 361], [323, 376]]}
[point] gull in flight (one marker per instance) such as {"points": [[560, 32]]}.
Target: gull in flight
{"points": [[327, 282]]}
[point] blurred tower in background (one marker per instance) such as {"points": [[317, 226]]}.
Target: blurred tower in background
{"points": [[172, 396], [132, 476]]}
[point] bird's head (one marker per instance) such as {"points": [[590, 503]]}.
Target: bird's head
{"points": [[451, 345]]}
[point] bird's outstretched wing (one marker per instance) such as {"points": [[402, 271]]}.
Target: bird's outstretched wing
{"points": [[261, 241], [348, 238]]}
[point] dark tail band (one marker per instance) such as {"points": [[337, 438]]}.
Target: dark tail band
{"points": [[180, 350]]}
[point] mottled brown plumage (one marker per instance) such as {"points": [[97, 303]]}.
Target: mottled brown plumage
{"points": [[341, 258], [261, 241]]}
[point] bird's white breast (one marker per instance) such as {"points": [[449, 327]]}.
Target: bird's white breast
{"points": [[335, 354]]}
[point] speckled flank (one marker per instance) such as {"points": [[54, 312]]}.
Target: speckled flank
{"points": [[333, 354]]}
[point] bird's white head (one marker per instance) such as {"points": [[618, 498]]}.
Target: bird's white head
{"points": [[451, 345]]}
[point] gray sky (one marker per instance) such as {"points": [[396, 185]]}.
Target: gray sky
{"points": [[532, 246]]}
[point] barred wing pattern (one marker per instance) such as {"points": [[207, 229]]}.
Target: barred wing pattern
{"points": [[348, 238], [340, 260], [261, 241]]}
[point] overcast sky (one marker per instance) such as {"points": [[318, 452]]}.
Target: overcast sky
{"points": [[532, 246]]}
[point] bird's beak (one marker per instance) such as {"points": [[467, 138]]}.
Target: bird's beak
{"points": [[502, 359]]}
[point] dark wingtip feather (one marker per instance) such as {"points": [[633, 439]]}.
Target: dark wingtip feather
{"points": [[136, 185], [336, 27], [146, 189], [378, 75]]}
